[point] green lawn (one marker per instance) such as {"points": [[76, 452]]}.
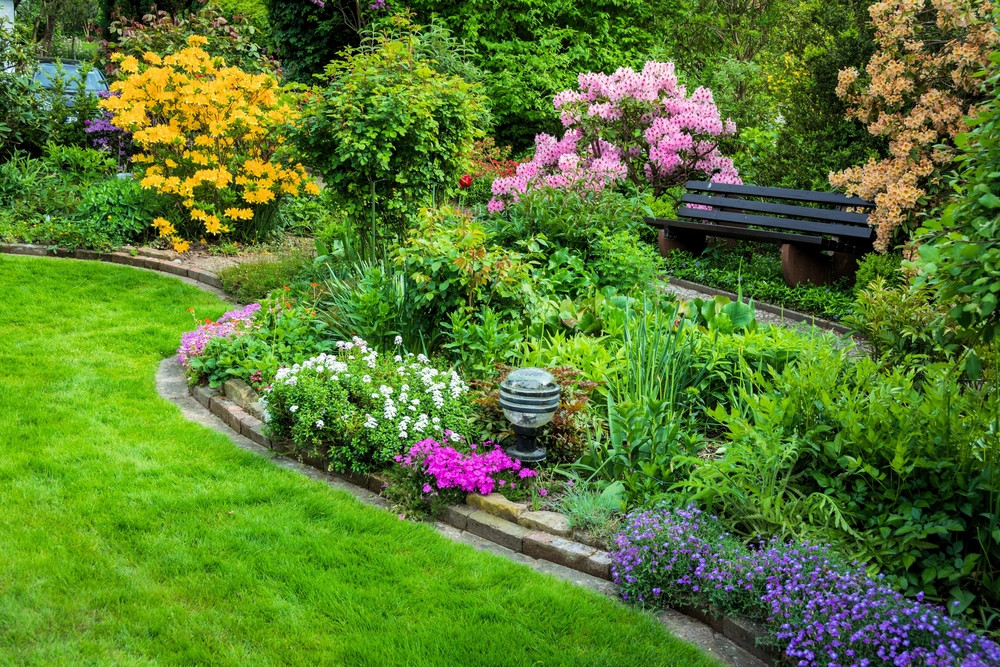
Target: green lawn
{"points": [[130, 535]]}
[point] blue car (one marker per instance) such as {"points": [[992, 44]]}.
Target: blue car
{"points": [[51, 71]]}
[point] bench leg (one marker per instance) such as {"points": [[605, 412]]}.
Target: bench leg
{"points": [[804, 266], [693, 244]]}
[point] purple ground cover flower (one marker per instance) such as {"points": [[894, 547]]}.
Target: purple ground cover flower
{"points": [[193, 342], [820, 609]]}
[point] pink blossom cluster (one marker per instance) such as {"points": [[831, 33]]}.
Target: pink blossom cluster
{"points": [[451, 469], [193, 342], [642, 126]]}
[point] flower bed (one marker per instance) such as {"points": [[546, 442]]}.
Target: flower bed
{"points": [[817, 608]]}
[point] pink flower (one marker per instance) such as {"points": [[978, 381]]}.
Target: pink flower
{"points": [[543, 492]]}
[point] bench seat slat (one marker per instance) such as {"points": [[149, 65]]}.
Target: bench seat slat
{"points": [[834, 198], [729, 231], [791, 210], [828, 228]]}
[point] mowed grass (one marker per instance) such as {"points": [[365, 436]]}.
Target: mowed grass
{"points": [[129, 535]]}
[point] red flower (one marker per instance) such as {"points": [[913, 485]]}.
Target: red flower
{"points": [[465, 181]]}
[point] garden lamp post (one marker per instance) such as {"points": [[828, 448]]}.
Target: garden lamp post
{"points": [[529, 398]]}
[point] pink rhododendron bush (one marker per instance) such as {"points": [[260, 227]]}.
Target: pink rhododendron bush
{"points": [[639, 127]]}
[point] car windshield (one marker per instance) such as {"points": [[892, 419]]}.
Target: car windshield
{"points": [[48, 74]]}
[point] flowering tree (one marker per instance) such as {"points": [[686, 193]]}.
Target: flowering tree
{"points": [[916, 90], [637, 126]]}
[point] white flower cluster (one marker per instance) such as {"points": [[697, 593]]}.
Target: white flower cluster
{"points": [[423, 389]]}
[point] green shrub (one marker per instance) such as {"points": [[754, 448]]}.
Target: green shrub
{"points": [[875, 265], [898, 466], [622, 259], [308, 36], [389, 134], [252, 17], [115, 212], [253, 281]]}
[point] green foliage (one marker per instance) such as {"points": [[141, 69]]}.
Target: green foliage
{"points": [[622, 259], [876, 265], [283, 333], [597, 512], [113, 213], [233, 37], [389, 133], [478, 341], [252, 17], [252, 281], [960, 252], [308, 36], [450, 265], [755, 271], [902, 325], [897, 465]]}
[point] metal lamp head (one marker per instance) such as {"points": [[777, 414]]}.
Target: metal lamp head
{"points": [[529, 398]]}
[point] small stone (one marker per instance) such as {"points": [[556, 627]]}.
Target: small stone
{"points": [[497, 530], [257, 435], [239, 392], [599, 565], [457, 515], [557, 550], [256, 409], [497, 505], [549, 522], [204, 395]]}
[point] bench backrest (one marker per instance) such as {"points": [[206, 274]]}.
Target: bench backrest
{"points": [[783, 209]]}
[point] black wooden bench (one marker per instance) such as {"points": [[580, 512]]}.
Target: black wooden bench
{"points": [[820, 240]]}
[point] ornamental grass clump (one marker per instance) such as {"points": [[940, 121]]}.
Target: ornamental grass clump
{"points": [[208, 137], [434, 474], [818, 608], [362, 408]]}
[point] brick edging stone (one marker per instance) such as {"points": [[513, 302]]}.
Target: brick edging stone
{"points": [[474, 518], [142, 261]]}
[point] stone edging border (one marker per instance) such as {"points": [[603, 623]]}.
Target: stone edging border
{"points": [[142, 260], [788, 314], [492, 517]]}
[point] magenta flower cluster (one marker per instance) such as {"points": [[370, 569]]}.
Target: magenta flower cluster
{"points": [[449, 468], [819, 609], [637, 125], [108, 137], [193, 342]]}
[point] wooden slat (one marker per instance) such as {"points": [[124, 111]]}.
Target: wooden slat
{"points": [[828, 228], [832, 198], [793, 211], [728, 231]]}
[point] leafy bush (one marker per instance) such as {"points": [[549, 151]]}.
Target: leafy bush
{"points": [[309, 35], [233, 35], [209, 136], [897, 465], [888, 267], [113, 213], [253, 281], [389, 134], [621, 259], [253, 343], [432, 475], [816, 607], [362, 408], [960, 253]]}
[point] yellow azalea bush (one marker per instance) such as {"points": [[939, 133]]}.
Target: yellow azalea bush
{"points": [[207, 136]]}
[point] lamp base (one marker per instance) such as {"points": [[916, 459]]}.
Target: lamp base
{"points": [[526, 448]]}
